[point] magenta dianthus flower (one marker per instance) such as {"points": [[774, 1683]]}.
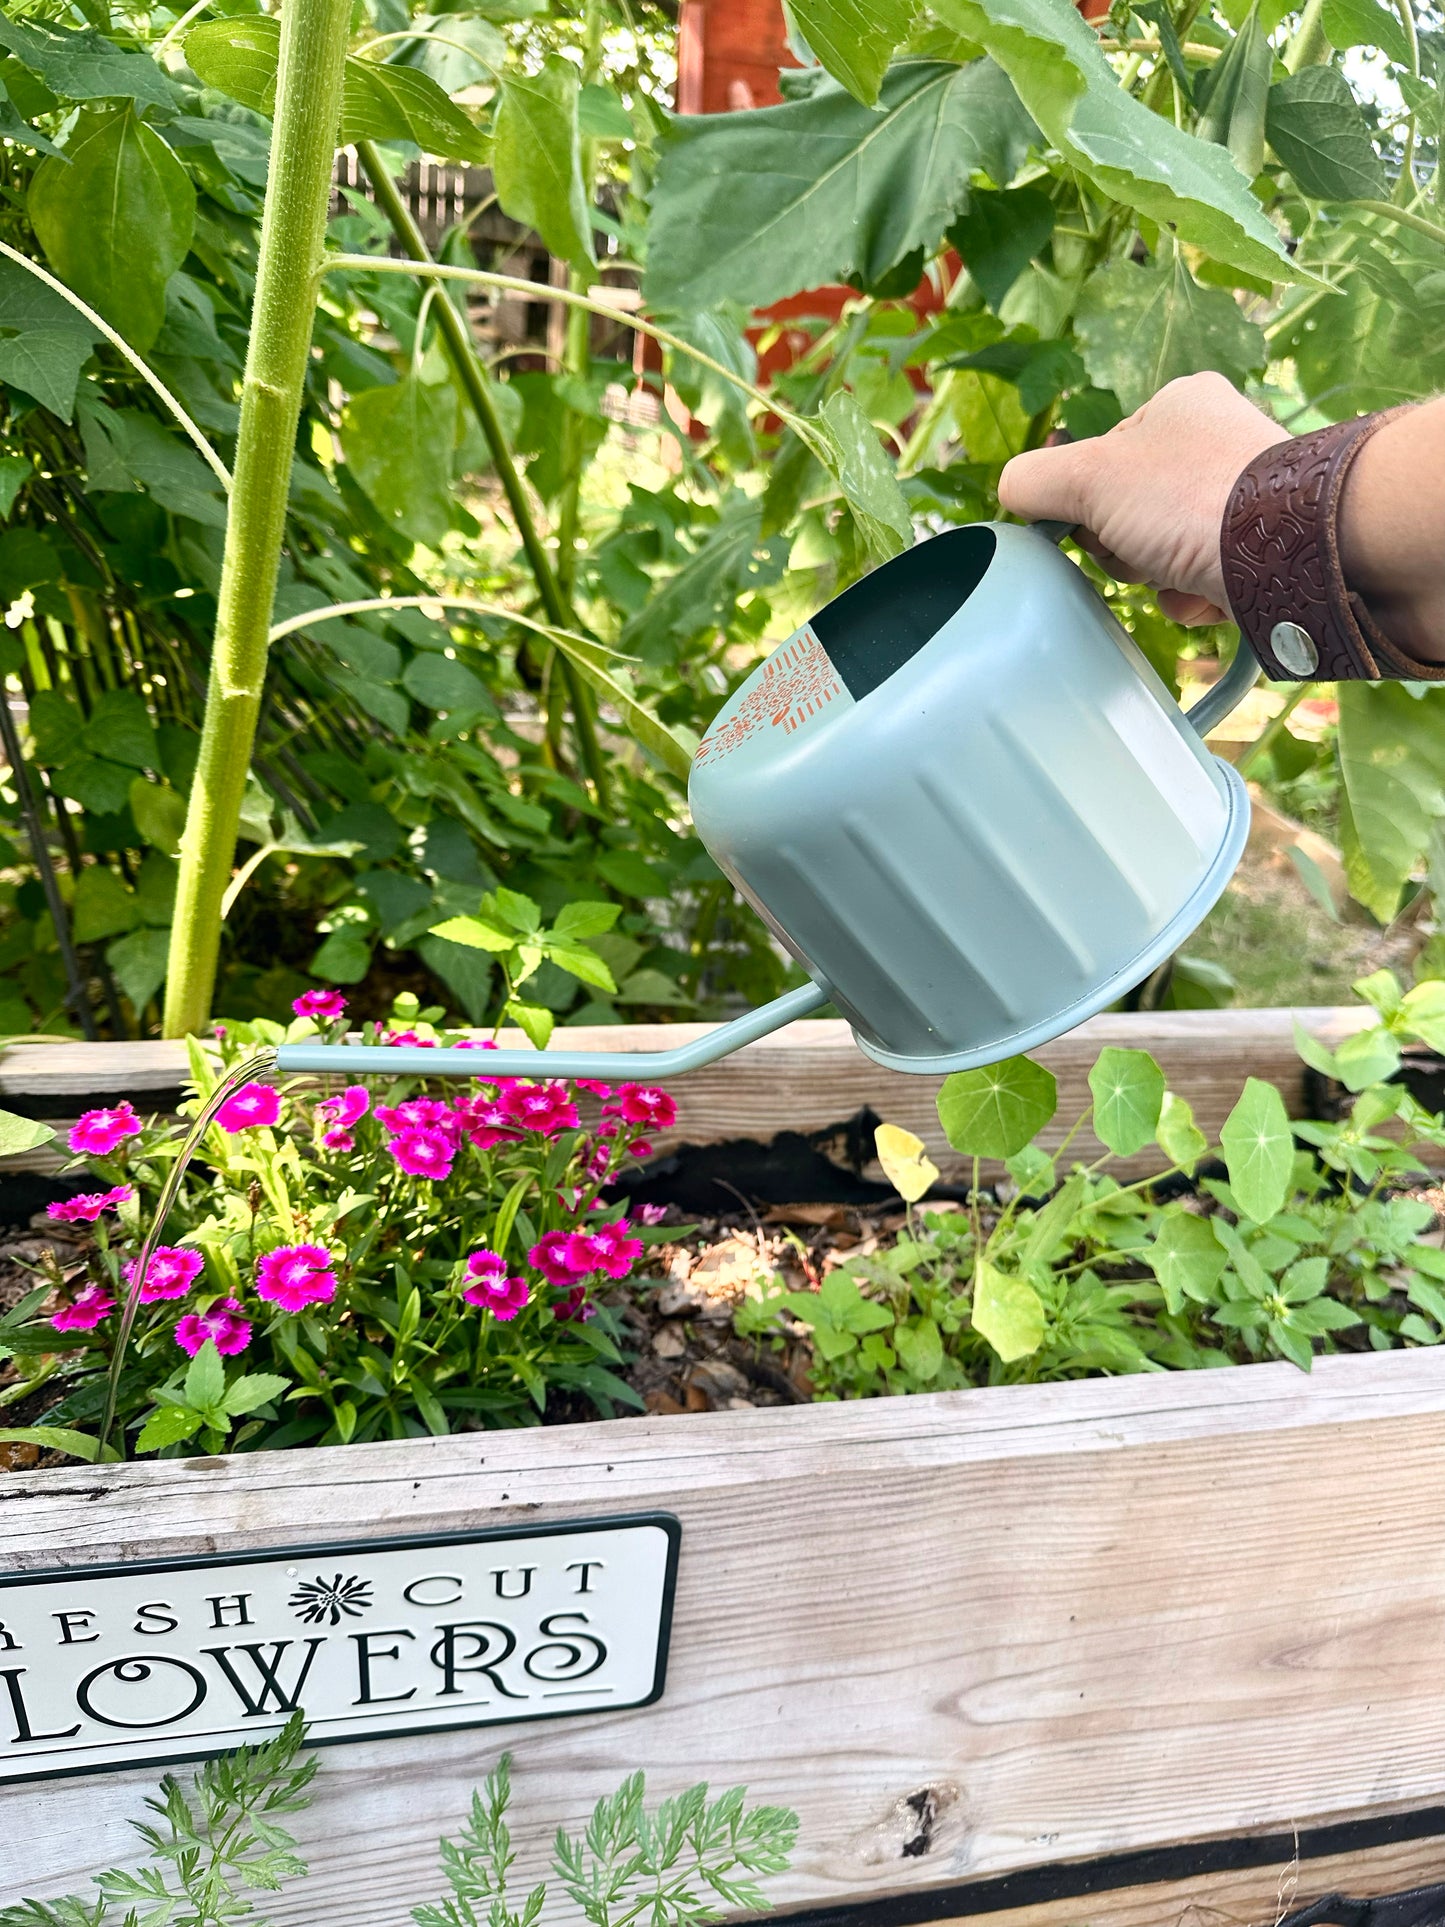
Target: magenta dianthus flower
{"points": [[251, 1108], [492, 1290], [408, 1037], [96, 1133], [85, 1310], [652, 1213], [617, 1249], [221, 1322], [591, 1084], [328, 1005], [545, 1108], [418, 1114], [553, 1257], [645, 1104], [481, 1121], [574, 1305], [424, 1154], [348, 1107], [172, 1271], [339, 1140], [294, 1276], [89, 1205]]}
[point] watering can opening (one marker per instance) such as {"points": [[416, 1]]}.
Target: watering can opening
{"points": [[961, 799]]}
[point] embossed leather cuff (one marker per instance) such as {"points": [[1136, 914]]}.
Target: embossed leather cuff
{"points": [[1279, 545]]}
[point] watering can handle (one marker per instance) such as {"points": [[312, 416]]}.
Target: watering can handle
{"points": [[1233, 686]]}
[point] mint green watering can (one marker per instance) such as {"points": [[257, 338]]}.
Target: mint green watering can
{"points": [[961, 799]]}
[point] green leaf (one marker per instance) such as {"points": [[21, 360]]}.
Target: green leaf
{"points": [[95, 783], [344, 958], [1316, 127], [534, 1021], [160, 814], [1128, 1088], [239, 56], [537, 159], [1050, 1225], [102, 905], [254, 1388], [585, 919], [15, 470], [920, 1349], [854, 38], [1365, 23], [1305, 1279], [139, 964], [21, 1134], [44, 343], [1422, 1013], [442, 683], [1392, 763], [516, 910], [674, 746], [999, 234], [1366, 1057], [1140, 327], [1186, 1258], [993, 1112], [52, 1438], [1258, 1148], [578, 961], [168, 1425], [120, 727], [398, 442], [126, 447], [474, 933], [1178, 1136], [205, 1384], [1131, 154], [732, 558], [856, 459], [84, 65], [115, 219], [753, 206], [1007, 1311], [1381, 990], [1233, 94], [1323, 1315]]}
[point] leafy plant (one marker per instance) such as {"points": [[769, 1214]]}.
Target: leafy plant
{"points": [[683, 1863], [1078, 1273]]}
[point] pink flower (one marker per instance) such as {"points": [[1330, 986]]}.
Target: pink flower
{"points": [[221, 1322], [338, 1140], [171, 1273], [89, 1205], [249, 1109], [419, 1114], [96, 1133], [481, 1121], [494, 1291], [490, 1265], [645, 1104], [85, 1311], [652, 1213], [617, 1250], [294, 1276], [582, 1254], [425, 1154], [349, 1108], [641, 1149], [552, 1256], [408, 1037], [591, 1084], [328, 1005], [545, 1108], [574, 1305]]}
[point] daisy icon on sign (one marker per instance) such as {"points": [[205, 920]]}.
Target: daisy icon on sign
{"points": [[317, 1601]]}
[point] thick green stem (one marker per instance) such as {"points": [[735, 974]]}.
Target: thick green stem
{"points": [[1308, 45], [293, 231], [476, 386], [1405, 216]]}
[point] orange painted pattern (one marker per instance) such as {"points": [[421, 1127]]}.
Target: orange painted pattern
{"points": [[798, 681]]}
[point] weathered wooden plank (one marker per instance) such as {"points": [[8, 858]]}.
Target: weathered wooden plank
{"points": [[804, 1078], [1078, 1619]]}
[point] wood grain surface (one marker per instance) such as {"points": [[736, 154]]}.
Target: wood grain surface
{"points": [[1068, 1620]]}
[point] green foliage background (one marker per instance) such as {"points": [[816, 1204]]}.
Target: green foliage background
{"points": [[1176, 187]]}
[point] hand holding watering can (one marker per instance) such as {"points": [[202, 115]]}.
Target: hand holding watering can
{"points": [[961, 798]]}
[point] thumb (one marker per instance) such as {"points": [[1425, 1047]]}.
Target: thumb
{"points": [[1046, 484]]}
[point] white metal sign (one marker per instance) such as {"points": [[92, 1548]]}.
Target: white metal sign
{"points": [[166, 1660]]}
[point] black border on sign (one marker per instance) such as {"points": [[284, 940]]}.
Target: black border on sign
{"points": [[1119, 1872], [670, 1525]]}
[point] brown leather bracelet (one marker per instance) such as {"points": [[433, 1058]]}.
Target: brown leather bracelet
{"points": [[1279, 545]]}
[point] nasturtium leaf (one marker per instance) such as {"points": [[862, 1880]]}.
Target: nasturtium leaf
{"points": [[1258, 1148], [855, 457], [21, 1134], [139, 964], [854, 38], [1186, 1258], [752, 206], [1316, 127], [906, 1164], [83, 64], [115, 219], [1140, 327], [1366, 23], [1178, 1136], [1392, 764], [1131, 154], [1128, 1088], [239, 57], [441, 683], [1007, 1311], [44, 342], [999, 233], [398, 442], [537, 159], [994, 1112]]}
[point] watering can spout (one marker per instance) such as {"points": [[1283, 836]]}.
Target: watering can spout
{"points": [[411, 1060]]}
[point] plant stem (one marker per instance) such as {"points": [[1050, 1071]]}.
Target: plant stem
{"points": [[1270, 734], [293, 230], [476, 386], [1405, 216], [1308, 46], [35, 830]]}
